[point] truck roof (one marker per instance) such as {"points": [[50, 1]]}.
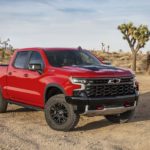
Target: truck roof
{"points": [[47, 49]]}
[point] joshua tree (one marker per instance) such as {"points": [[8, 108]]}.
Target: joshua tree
{"points": [[103, 47], [4, 47], [10, 47], [108, 47], [136, 38]]}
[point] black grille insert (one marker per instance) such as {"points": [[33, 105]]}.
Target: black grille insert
{"points": [[102, 87]]}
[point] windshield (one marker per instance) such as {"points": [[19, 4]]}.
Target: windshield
{"points": [[61, 58]]}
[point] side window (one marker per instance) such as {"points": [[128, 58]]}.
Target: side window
{"points": [[21, 59], [36, 59]]}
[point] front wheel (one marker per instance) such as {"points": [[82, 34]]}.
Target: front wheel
{"points": [[120, 118], [59, 114]]}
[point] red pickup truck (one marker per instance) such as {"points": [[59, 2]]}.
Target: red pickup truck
{"points": [[65, 83]]}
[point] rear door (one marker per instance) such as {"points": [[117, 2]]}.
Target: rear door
{"points": [[17, 75]]}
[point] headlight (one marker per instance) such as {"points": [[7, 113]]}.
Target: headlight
{"points": [[134, 79], [76, 80]]}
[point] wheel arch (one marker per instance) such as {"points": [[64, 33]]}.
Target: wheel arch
{"points": [[51, 90]]}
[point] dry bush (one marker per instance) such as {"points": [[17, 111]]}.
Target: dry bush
{"points": [[123, 59]]}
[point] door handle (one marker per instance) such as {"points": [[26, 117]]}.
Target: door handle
{"points": [[9, 73], [26, 75]]}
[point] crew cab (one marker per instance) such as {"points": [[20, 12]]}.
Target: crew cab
{"points": [[67, 83]]}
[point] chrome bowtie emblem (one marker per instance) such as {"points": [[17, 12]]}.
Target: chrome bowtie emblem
{"points": [[114, 81]]}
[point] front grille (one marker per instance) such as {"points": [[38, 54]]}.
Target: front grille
{"points": [[102, 87]]}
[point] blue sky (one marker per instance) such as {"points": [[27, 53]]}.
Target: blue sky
{"points": [[70, 23]]}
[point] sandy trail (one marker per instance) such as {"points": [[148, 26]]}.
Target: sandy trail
{"points": [[24, 129]]}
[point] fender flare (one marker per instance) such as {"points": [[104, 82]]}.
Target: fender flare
{"points": [[53, 85]]}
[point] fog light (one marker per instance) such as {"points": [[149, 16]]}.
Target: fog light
{"points": [[82, 94], [79, 93]]}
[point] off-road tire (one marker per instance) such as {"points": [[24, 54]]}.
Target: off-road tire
{"points": [[121, 118], [66, 110], [3, 104]]}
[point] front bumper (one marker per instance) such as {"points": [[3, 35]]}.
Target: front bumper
{"points": [[102, 100], [111, 105]]}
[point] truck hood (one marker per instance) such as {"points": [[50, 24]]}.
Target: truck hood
{"points": [[97, 71]]}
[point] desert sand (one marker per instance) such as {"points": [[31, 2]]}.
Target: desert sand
{"points": [[24, 129]]}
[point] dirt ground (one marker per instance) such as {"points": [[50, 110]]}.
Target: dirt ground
{"points": [[24, 129]]}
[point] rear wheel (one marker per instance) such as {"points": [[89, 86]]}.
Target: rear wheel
{"points": [[3, 104], [120, 118], [59, 114]]}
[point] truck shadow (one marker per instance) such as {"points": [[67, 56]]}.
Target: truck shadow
{"points": [[142, 113], [22, 109], [94, 125]]}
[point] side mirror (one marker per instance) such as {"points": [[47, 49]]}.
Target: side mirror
{"points": [[36, 67]]}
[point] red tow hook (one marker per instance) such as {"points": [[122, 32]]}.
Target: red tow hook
{"points": [[100, 107], [128, 104]]}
